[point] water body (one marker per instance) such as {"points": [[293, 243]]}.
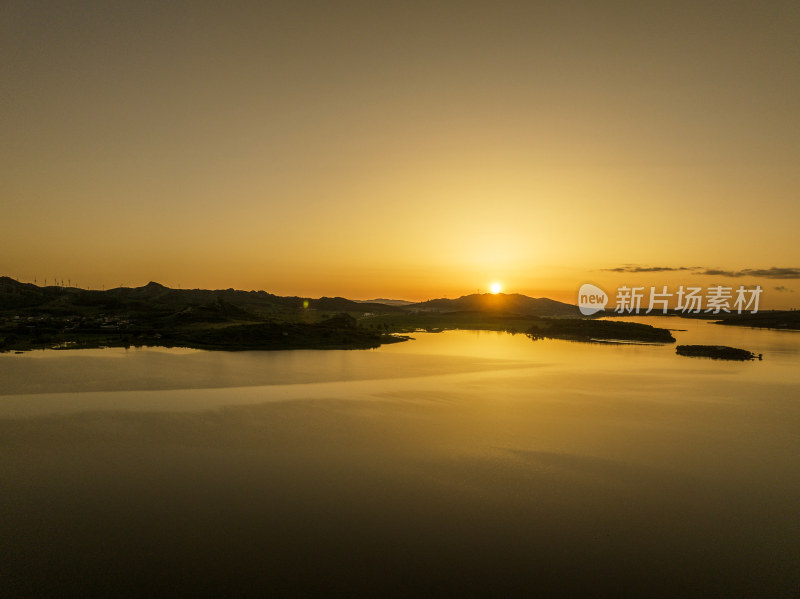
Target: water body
{"points": [[461, 463]]}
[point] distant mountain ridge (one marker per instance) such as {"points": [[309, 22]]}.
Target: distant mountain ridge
{"points": [[17, 295], [388, 302], [14, 294], [511, 304]]}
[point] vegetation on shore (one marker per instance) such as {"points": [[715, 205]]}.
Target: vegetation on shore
{"points": [[599, 330], [718, 352], [767, 319], [773, 319], [338, 332], [536, 327]]}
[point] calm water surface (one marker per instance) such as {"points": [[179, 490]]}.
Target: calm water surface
{"points": [[461, 463]]}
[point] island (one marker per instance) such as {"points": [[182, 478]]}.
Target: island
{"points": [[603, 331], [788, 320], [717, 352]]}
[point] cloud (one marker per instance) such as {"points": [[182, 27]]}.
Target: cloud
{"points": [[782, 289], [763, 273], [635, 268], [720, 273]]}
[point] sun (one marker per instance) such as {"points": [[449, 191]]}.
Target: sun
{"points": [[495, 287]]}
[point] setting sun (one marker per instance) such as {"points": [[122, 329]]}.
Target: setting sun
{"points": [[495, 287]]}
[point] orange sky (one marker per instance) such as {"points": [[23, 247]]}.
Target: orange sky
{"points": [[408, 150]]}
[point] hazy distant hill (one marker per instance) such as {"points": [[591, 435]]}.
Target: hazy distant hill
{"points": [[513, 303], [341, 304], [388, 302]]}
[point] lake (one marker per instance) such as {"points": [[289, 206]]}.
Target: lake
{"points": [[462, 463]]}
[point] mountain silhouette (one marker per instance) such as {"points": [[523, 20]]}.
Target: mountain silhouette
{"points": [[14, 294], [503, 303], [55, 299]]}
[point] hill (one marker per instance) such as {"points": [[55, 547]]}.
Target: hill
{"points": [[156, 297], [388, 302], [513, 304], [39, 317]]}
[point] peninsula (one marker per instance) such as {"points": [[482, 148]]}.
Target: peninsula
{"points": [[56, 317]]}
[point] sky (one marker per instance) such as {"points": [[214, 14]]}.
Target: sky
{"points": [[401, 149]]}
